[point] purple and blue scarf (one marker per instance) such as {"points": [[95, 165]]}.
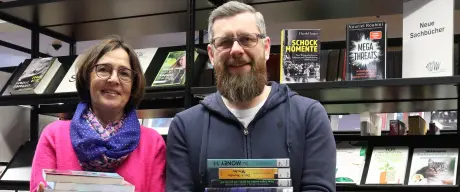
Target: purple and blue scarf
{"points": [[100, 149]]}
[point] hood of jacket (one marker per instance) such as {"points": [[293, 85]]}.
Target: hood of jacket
{"points": [[279, 93]]}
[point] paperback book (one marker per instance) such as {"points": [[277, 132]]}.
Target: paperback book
{"points": [[434, 166], [388, 165], [351, 157]]}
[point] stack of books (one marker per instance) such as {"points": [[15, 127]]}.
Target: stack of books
{"points": [[67, 180], [245, 175]]}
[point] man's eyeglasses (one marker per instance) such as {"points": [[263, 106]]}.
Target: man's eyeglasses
{"points": [[105, 71], [247, 40]]}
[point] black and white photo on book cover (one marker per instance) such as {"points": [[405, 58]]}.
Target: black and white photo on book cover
{"points": [[300, 50], [366, 49], [33, 73], [434, 166], [445, 120]]}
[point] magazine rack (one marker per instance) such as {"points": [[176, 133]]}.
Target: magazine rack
{"points": [[77, 20]]}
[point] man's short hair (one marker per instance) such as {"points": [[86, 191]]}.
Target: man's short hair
{"points": [[233, 8]]}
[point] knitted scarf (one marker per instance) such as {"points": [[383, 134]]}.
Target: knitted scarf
{"points": [[103, 150]]}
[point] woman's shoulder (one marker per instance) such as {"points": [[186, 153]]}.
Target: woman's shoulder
{"points": [[149, 132], [56, 127], [151, 135]]}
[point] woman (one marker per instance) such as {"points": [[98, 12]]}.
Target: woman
{"points": [[104, 134], [178, 69]]}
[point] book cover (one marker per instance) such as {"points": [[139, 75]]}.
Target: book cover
{"points": [[300, 55], [446, 120], [125, 187], [351, 156], [81, 173], [249, 173], [82, 177], [173, 69], [226, 183], [33, 74], [145, 57], [216, 163], [68, 82], [434, 166], [366, 50], [388, 165], [250, 189]]}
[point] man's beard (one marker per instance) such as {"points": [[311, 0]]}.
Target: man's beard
{"points": [[241, 87]]}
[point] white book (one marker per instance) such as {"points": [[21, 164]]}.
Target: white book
{"points": [[351, 157], [37, 76], [126, 187], [68, 82], [434, 166], [145, 57], [388, 165]]}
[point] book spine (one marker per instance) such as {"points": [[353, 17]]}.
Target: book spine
{"points": [[250, 189], [251, 183], [217, 163], [251, 173]]}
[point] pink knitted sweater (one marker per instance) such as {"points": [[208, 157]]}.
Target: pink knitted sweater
{"points": [[144, 168]]}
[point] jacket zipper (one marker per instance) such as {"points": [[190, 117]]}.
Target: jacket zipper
{"points": [[246, 133]]}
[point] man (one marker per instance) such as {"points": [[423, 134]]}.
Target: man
{"points": [[248, 117]]}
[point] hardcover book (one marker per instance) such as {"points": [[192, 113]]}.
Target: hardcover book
{"points": [[227, 183], [366, 51], [82, 177], [145, 57], [37, 76], [68, 82], [217, 163], [434, 166], [173, 69], [300, 55], [388, 165], [351, 156], [249, 173], [251, 189]]}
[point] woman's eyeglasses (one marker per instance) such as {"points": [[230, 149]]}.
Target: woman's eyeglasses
{"points": [[105, 71]]}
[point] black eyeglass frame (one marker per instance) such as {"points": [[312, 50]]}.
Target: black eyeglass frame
{"points": [[118, 72], [258, 35]]}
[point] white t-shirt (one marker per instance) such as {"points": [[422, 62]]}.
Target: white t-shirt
{"points": [[245, 116]]}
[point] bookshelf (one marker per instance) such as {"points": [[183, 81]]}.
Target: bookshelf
{"points": [[73, 21]]}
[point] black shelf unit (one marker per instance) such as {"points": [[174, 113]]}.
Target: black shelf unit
{"points": [[82, 20], [388, 95]]}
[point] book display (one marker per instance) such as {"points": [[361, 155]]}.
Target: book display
{"points": [[392, 100]]}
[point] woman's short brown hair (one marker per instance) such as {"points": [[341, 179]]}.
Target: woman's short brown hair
{"points": [[88, 59]]}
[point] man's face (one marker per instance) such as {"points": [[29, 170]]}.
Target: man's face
{"points": [[240, 67]]}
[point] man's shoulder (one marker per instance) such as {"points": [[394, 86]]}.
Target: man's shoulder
{"points": [[191, 114], [304, 104]]}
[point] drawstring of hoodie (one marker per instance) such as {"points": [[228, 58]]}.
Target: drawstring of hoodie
{"points": [[286, 122], [204, 147]]}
